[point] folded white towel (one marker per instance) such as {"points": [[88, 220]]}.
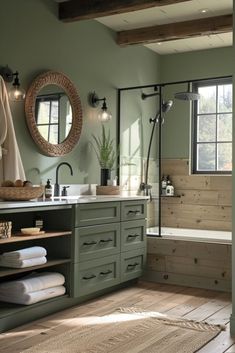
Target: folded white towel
{"points": [[22, 263], [33, 283], [33, 297], [27, 253]]}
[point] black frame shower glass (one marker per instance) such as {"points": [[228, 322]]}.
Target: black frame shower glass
{"points": [[160, 88]]}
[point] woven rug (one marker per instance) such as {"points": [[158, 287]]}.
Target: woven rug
{"points": [[128, 330]]}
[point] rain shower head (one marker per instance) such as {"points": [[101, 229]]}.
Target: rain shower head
{"points": [[187, 96]]}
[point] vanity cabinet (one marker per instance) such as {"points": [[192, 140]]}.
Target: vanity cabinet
{"points": [[109, 244], [97, 246]]}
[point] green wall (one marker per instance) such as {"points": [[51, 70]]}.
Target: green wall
{"points": [[34, 40], [186, 66]]}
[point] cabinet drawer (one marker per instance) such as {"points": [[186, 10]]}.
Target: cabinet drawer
{"points": [[133, 235], [131, 210], [92, 276], [132, 264], [96, 241], [97, 213]]}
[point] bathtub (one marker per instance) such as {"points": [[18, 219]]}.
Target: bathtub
{"points": [[199, 235]]}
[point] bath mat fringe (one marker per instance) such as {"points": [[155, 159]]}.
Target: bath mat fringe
{"points": [[167, 320]]}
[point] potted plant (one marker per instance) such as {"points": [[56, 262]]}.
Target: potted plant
{"points": [[105, 152]]}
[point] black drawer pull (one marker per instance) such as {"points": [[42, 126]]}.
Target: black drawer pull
{"points": [[133, 236], [102, 241], [106, 272], [135, 212], [90, 277], [90, 243], [133, 265]]}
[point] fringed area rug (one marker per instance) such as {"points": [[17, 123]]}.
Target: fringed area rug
{"points": [[128, 330]]}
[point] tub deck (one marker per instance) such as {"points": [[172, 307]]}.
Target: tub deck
{"points": [[198, 235]]}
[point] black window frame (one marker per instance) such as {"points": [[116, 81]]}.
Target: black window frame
{"points": [[194, 143], [53, 97]]}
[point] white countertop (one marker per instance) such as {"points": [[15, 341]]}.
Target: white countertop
{"points": [[68, 200]]}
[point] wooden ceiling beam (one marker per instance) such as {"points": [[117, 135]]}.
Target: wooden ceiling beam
{"points": [[177, 30], [76, 10]]}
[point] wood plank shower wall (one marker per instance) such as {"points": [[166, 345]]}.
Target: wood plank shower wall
{"points": [[205, 202]]}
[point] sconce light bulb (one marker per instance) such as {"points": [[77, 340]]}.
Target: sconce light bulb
{"points": [[104, 115], [17, 94]]}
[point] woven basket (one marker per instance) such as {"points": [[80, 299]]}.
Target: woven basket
{"points": [[107, 190], [21, 193]]}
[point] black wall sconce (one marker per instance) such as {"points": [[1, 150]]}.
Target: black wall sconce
{"points": [[16, 93], [104, 115]]}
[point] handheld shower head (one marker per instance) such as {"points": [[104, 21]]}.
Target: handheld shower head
{"points": [[187, 96], [166, 106]]}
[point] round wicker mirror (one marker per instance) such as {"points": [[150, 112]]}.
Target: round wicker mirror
{"points": [[43, 107]]}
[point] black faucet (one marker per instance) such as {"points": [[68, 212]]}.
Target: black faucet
{"points": [[57, 186]]}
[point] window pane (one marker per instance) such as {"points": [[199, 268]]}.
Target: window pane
{"points": [[54, 112], [43, 130], [53, 134], [225, 127], [206, 128], [43, 113], [225, 98], [206, 157], [225, 156], [207, 101]]}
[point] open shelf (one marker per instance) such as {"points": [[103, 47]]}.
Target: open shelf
{"points": [[7, 271], [20, 237], [169, 196], [11, 308]]}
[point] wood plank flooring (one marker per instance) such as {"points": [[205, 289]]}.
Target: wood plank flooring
{"points": [[199, 304]]}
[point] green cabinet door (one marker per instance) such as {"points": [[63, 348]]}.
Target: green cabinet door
{"points": [[132, 264], [97, 213], [96, 242], [92, 276], [133, 235], [133, 210]]}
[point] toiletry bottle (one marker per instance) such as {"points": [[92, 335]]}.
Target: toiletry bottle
{"points": [[169, 187], [164, 185], [48, 189], [38, 221]]}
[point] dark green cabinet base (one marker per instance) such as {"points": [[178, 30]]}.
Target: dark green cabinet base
{"points": [[104, 251]]}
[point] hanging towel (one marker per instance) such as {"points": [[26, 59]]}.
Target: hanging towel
{"points": [[23, 254], [11, 167], [23, 263], [33, 297], [33, 283]]}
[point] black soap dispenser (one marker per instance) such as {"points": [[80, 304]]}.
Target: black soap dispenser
{"points": [[48, 189]]}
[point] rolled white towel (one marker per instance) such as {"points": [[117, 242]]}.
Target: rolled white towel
{"points": [[33, 297], [33, 283], [23, 263], [27, 253]]}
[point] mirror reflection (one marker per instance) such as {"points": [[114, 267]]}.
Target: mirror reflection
{"points": [[53, 114]]}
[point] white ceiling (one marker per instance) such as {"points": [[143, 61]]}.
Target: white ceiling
{"points": [[180, 12]]}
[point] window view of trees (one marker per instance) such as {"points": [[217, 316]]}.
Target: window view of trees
{"points": [[213, 127]]}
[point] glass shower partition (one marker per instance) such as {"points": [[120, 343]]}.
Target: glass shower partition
{"points": [[134, 132]]}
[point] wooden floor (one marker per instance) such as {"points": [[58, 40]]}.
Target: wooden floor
{"points": [[192, 303]]}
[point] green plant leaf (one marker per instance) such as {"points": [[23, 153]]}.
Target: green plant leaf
{"points": [[104, 148]]}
